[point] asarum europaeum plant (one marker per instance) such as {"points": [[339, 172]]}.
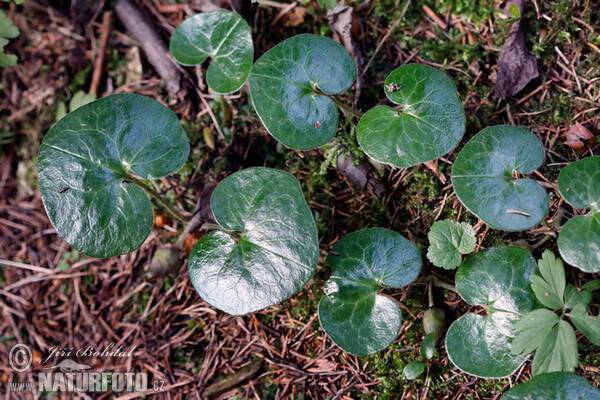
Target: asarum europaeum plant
{"points": [[579, 240], [554, 386]]}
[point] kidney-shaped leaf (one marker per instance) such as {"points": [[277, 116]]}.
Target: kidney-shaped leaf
{"points": [[358, 319], [289, 86], [428, 122], [85, 166], [268, 248], [225, 37], [554, 386], [484, 178], [496, 278], [447, 241], [579, 240]]}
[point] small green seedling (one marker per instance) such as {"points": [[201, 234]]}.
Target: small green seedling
{"points": [[415, 368], [225, 37], [579, 239], [497, 279], [548, 334], [486, 178], [80, 98], [353, 313], [448, 240], [265, 249], [8, 30], [290, 88], [92, 169], [554, 386], [427, 122]]}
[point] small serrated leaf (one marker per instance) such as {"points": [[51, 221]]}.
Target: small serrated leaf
{"points": [[533, 328], [448, 240], [428, 346]]}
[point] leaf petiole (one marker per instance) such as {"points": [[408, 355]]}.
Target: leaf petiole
{"points": [[153, 193]]}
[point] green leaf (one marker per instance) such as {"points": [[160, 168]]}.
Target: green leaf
{"points": [[533, 327], [496, 278], [554, 386], [289, 86], [592, 285], [549, 288], [8, 30], [225, 37], [448, 240], [80, 98], [588, 325], [428, 346], [268, 250], [483, 178], [428, 122], [358, 319], [557, 352], [86, 164], [579, 240], [514, 11], [413, 370], [574, 297]]}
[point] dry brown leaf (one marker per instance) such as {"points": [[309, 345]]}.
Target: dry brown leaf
{"points": [[294, 18], [578, 136]]}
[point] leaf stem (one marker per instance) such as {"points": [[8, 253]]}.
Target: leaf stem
{"points": [[153, 193], [349, 110]]}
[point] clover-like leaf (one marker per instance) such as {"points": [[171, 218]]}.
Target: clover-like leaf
{"points": [[554, 386], [358, 319], [268, 248], [289, 87], [225, 37], [485, 179], [428, 122], [88, 164], [447, 241], [549, 286], [579, 239], [496, 278]]}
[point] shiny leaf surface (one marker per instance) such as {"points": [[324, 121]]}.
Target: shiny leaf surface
{"points": [[289, 86], [428, 122], [484, 180], [579, 240], [268, 249], [225, 37], [496, 278], [85, 167], [428, 346], [554, 386], [352, 313], [413, 369]]}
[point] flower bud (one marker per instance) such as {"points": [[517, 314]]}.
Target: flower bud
{"points": [[165, 261], [434, 320]]}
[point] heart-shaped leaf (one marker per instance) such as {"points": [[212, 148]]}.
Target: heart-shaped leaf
{"points": [[225, 37], [268, 248], [579, 240], [447, 241], [554, 386], [497, 279], [428, 122], [358, 319], [484, 178], [289, 86], [86, 164]]}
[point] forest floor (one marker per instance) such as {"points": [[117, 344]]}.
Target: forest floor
{"points": [[53, 296]]}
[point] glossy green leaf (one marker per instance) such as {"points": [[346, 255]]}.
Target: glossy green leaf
{"points": [[428, 346], [428, 122], [268, 249], [554, 386], [352, 313], [573, 297], [289, 86], [533, 328], [557, 352], [484, 180], [579, 240], [225, 37], [549, 286], [413, 369], [587, 324], [447, 241], [496, 278], [87, 163]]}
